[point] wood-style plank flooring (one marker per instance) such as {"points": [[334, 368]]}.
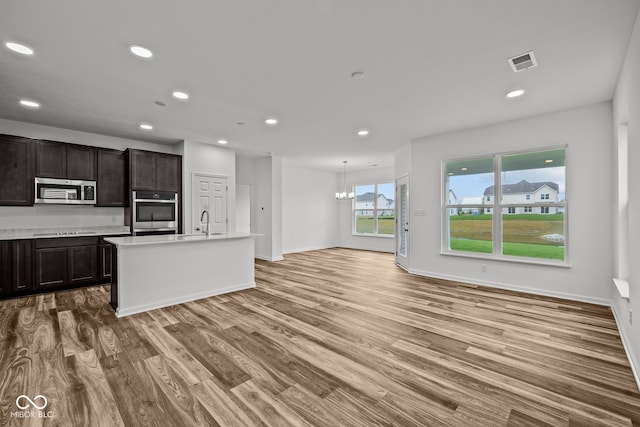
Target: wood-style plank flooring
{"points": [[327, 338]]}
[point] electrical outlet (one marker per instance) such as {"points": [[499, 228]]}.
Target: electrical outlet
{"points": [[483, 268]]}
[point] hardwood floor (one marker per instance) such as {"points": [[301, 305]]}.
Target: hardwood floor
{"points": [[327, 338]]}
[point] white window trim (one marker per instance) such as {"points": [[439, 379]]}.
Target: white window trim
{"points": [[497, 207], [375, 211]]}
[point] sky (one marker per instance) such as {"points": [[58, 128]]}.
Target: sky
{"points": [[474, 185]]}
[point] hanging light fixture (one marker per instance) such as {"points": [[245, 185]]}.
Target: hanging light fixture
{"points": [[344, 195]]}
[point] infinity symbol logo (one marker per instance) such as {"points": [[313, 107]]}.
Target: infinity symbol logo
{"points": [[28, 399]]}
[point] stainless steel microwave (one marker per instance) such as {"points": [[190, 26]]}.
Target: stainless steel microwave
{"points": [[65, 191]]}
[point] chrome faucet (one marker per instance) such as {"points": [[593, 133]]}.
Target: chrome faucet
{"points": [[208, 222]]}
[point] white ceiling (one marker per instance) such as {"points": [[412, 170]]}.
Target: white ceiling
{"points": [[431, 66]]}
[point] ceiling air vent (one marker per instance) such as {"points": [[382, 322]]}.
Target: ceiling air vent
{"points": [[523, 62]]}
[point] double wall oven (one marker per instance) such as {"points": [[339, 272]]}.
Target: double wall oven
{"points": [[155, 212]]}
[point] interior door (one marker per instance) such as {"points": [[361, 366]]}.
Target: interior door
{"points": [[209, 193], [402, 222], [243, 208]]}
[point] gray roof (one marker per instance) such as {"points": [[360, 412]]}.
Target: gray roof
{"points": [[523, 186], [368, 197]]}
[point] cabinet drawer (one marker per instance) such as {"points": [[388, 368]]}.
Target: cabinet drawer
{"points": [[65, 242]]}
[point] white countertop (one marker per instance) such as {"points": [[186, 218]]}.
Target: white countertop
{"points": [[176, 238], [54, 232]]}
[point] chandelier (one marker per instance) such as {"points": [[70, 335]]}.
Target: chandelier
{"points": [[344, 195]]}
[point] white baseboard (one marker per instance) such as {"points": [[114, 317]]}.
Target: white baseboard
{"points": [[311, 248], [180, 300], [511, 287], [635, 366], [364, 248], [270, 259]]}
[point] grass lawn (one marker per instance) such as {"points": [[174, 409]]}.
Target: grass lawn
{"points": [[509, 217], [386, 225], [531, 250]]}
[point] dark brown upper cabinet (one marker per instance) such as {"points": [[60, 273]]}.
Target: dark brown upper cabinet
{"points": [[142, 166], [16, 171], [112, 183], [155, 171], [66, 161], [169, 172], [81, 162]]}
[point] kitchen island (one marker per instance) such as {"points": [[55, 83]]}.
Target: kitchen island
{"points": [[158, 271]]}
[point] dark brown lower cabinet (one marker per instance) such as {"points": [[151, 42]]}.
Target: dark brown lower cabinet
{"points": [[106, 254], [22, 265], [51, 267], [5, 268], [37, 265], [83, 264], [16, 266], [66, 261]]}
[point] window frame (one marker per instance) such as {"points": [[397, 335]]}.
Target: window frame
{"points": [[497, 206], [375, 210]]}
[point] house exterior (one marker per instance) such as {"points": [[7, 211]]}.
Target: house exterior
{"points": [[366, 203], [466, 201], [526, 193]]}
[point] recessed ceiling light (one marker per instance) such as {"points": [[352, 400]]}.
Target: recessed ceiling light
{"points": [[515, 93], [146, 126], [19, 48], [548, 161], [464, 169], [359, 75], [450, 173], [180, 95], [222, 141], [271, 121], [363, 132], [141, 51], [29, 103]]}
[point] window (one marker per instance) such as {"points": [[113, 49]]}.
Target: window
{"points": [[374, 210], [494, 213]]}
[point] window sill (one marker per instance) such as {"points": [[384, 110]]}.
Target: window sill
{"points": [[517, 260], [383, 236]]}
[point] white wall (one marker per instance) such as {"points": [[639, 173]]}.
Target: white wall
{"points": [[267, 209], [28, 130], [346, 238], [198, 157], [626, 110], [13, 217], [309, 208], [587, 132]]}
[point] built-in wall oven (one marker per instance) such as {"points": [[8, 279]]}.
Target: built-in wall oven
{"points": [[155, 212]]}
